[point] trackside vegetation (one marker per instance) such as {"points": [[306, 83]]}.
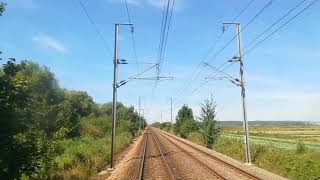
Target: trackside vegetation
{"points": [[47, 132], [272, 147]]}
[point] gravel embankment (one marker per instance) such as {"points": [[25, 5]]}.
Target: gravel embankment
{"points": [[128, 168]]}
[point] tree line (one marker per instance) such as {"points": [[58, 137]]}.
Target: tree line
{"points": [[35, 112]]}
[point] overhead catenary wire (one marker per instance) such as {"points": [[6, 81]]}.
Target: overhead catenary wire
{"points": [[95, 27], [245, 26], [164, 33], [227, 27], [210, 50], [139, 74], [242, 29], [132, 36], [283, 25], [165, 28], [222, 70], [279, 28], [167, 34], [275, 23]]}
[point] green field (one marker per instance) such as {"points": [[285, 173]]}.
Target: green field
{"points": [[308, 133], [285, 136], [290, 150]]}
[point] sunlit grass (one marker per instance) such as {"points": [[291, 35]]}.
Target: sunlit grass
{"points": [[299, 161]]}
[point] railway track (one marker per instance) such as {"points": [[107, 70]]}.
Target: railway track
{"points": [[217, 175], [161, 155], [144, 158]]}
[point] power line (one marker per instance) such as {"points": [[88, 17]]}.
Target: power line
{"points": [[95, 26], [165, 27], [221, 35], [276, 30], [195, 90], [164, 30], [127, 9], [260, 42], [166, 23], [166, 39], [132, 35], [245, 26], [212, 47], [275, 23]]}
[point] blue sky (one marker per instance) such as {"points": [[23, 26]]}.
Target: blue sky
{"points": [[281, 75]]}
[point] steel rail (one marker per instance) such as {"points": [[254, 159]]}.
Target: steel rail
{"points": [[251, 176], [163, 157], [212, 171], [143, 157]]}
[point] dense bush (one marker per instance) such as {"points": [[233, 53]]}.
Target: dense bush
{"points": [[49, 131], [185, 122]]}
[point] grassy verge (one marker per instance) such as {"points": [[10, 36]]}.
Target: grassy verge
{"points": [[301, 163], [89, 153], [85, 156]]}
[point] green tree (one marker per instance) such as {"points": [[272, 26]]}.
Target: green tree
{"points": [[209, 128], [185, 122], [2, 8], [37, 116], [45, 94], [23, 147], [76, 104], [29, 99]]}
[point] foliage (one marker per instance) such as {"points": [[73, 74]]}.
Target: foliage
{"points": [[301, 148], [185, 122], [288, 163], [166, 126], [85, 156], [2, 8], [197, 138], [40, 124], [209, 128]]}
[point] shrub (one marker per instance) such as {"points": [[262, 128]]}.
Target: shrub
{"points": [[196, 137], [301, 148]]}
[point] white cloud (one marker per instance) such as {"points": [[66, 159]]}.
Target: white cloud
{"points": [[50, 42]]}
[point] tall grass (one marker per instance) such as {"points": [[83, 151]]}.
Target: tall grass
{"points": [[84, 156], [300, 163]]}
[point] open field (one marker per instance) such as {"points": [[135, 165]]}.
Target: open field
{"points": [[308, 133], [289, 150], [277, 142]]}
